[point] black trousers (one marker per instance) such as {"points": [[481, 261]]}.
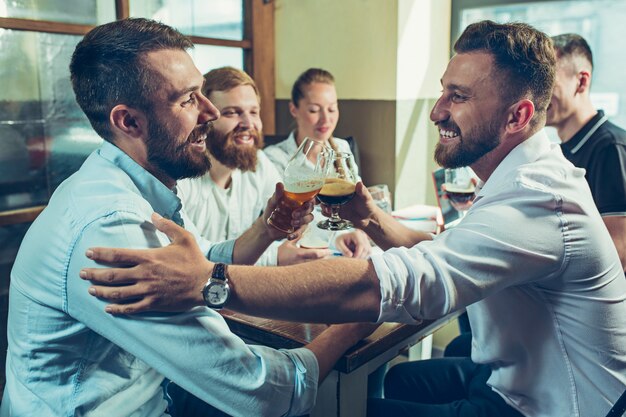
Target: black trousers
{"points": [[446, 387]]}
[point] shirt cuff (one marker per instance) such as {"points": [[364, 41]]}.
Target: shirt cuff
{"points": [[392, 274], [306, 380], [221, 252]]}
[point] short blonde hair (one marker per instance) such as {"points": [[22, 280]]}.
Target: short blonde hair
{"points": [[225, 79]]}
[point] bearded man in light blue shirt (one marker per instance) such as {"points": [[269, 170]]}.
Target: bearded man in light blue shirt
{"points": [[142, 93]]}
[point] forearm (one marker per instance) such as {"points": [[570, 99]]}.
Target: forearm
{"points": [[329, 346], [388, 233], [251, 244], [324, 291]]}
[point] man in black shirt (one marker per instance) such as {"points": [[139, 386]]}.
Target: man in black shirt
{"points": [[588, 139]]}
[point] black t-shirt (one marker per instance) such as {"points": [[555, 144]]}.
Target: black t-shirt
{"points": [[600, 148]]}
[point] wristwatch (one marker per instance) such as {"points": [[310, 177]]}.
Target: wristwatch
{"points": [[216, 291]]}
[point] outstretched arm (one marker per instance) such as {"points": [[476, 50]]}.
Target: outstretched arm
{"points": [[171, 279]]}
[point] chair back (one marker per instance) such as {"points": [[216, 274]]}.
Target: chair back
{"points": [[273, 139]]}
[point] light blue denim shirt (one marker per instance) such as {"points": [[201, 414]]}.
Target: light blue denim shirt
{"points": [[67, 357]]}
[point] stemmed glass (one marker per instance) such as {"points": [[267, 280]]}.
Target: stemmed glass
{"points": [[338, 189], [459, 188], [303, 178]]}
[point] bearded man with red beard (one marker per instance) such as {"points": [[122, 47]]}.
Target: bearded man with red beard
{"points": [[232, 195]]}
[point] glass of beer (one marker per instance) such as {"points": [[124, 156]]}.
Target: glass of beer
{"points": [[338, 189], [303, 178], [459, 188]]}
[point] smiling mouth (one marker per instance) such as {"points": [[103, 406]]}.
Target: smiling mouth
{"points": [[448, 134], [244, 139], [198, 139]]}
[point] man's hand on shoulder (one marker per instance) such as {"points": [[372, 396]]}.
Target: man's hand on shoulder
{"points": [[170, 278]]}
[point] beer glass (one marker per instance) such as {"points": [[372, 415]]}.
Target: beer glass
{"points": [[459, 188], [338, 189], [303, 178]]}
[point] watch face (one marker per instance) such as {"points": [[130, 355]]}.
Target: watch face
{"points": [[217, 294]]}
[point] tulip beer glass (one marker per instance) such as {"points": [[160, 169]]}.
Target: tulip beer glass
{"points": [[303, 178], [338, 189]]}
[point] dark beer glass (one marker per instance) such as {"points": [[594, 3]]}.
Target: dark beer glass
{"points": [[338, 189]]}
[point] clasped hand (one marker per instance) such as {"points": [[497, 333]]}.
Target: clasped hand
{"points": [[359, 210]]}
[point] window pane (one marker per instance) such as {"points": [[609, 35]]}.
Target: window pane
{"points": [[600, 22], [86, 12], [44, 136], [208, 57], [222, 19]]}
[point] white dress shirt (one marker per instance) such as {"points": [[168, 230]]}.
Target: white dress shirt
{"points": [[223, 214], [541, 279]]}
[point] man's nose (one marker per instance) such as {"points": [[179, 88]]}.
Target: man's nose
{"points": [[440, 111], [245, 121], [208, 111]]}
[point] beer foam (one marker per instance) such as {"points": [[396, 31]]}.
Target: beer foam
{"points": [[303, 186], [337, 187], [453, 188]]}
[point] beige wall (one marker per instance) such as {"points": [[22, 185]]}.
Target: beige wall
{"points": [[387, 57], [350, 38]]}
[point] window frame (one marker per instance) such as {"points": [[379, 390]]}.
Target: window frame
{"points": [[258, 61]]}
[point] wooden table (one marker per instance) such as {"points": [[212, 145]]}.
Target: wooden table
{"points": [[344, 391]]}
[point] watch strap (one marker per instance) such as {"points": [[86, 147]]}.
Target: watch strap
{"points": [[219, 272]]}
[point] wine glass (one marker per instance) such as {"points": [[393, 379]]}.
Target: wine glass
{"points": [[303, 178], [338, 189], [459, 186]]}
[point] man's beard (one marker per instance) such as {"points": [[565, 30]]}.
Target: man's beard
{"points": [[174, 159], [471, 146], [223, 148]]}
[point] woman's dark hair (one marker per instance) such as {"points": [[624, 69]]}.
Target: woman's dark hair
{"points": [[308, 77]]}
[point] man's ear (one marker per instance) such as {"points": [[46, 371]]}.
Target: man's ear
{"points": [[519, 115], [128, 121], [584, 81]]}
